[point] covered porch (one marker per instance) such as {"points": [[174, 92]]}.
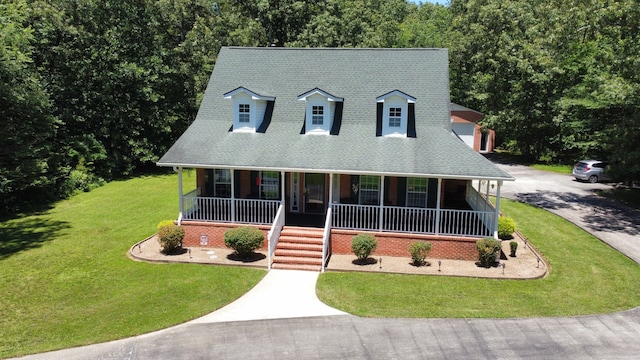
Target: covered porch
{"points": [[382, 203]]}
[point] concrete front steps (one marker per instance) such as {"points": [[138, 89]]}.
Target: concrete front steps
{"points": [[299, 248]]}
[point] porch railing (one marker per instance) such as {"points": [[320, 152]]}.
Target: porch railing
{"points": [[274, 233], [248, 211], [326, 238], [357, 217], [413, 220]]}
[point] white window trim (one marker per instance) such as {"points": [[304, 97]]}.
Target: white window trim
{"points": [[395, 99], [242, 96], [425, 192], [318, 97]]}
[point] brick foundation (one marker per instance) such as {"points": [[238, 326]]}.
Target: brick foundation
{"points": [[397, 244], [194, 230], [389, 244]]}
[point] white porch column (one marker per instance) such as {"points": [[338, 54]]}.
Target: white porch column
{"points": [[495, 227], [282, 188], [487, 195], [439, 197], [381, 215], [233, 195], [330, 189], [180, 195]]}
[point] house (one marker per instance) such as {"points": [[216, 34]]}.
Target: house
{"points": [[316, 145], [464, 123]]}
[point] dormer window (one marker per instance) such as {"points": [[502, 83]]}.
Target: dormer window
{"points": [[244, 113], [321, 113], [250, 110], [394, 115], [317, 115]]}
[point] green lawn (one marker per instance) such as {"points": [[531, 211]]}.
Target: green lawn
{"points": [[65, 278], [587, 277], [562, 169]]}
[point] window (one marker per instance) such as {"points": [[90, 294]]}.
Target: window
{"points": [[222, 183], [417, 192], [269, 185], [244, 111], [369, 190], [395, 116], [317, 115]]}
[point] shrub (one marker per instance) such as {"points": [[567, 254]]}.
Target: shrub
{"points": [[164, 223], [506, 227], [514, 247], [363, 244], [244, 240], [170, 238], [419, 251], [487, 249]]}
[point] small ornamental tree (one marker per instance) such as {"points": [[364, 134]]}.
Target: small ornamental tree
{"points": [[170, 237], [363, 245], [244, 240], [419, 251], [506, 227], [487, 250]]}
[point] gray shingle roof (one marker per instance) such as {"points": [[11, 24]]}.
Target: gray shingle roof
{"points": [[357, 75]]}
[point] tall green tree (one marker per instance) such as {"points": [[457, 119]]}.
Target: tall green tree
{"points": [[27, 168]]}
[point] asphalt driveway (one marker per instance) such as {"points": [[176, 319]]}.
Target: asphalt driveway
{"points": [[614, 223]]}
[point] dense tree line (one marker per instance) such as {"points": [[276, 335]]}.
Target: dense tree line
{"points": [[92, 90]]}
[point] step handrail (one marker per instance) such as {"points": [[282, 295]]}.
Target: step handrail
{"points": [[274, 234], [326, 238]]}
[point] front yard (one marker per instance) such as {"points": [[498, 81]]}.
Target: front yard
{"points": [[66, 280]]}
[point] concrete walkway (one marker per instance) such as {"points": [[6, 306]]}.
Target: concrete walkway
{"points": [[280, 294]]}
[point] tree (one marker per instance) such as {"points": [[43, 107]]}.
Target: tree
{"points": [[27, 169]]}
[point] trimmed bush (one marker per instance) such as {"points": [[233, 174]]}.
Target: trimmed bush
{"points": [[506, 227], [487, 249], [170, 238], [244, 240], [164, 223], [363, 245], [514, 247], [419, 251]]}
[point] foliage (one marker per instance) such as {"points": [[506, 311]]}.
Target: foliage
{"points": [[244, 239], [566, 291], [487, 250], [362, 245], [506, 227], [164, 223], [170, 238], [419, 251], [92, 90], [28, 166], [69, 263], [514, 246]]}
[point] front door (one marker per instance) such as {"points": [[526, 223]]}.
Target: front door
{"points": [[314, 197]]}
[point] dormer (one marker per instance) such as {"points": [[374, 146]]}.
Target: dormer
{"points": [[323, 112], [395, 114], [250, 110]]}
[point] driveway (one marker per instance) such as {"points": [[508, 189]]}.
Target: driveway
{"points": [[614, 223], [610, 336]]}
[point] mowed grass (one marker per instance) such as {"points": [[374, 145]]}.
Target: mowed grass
{"points": [[557, 168], [587, 277], [66, 280]]}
